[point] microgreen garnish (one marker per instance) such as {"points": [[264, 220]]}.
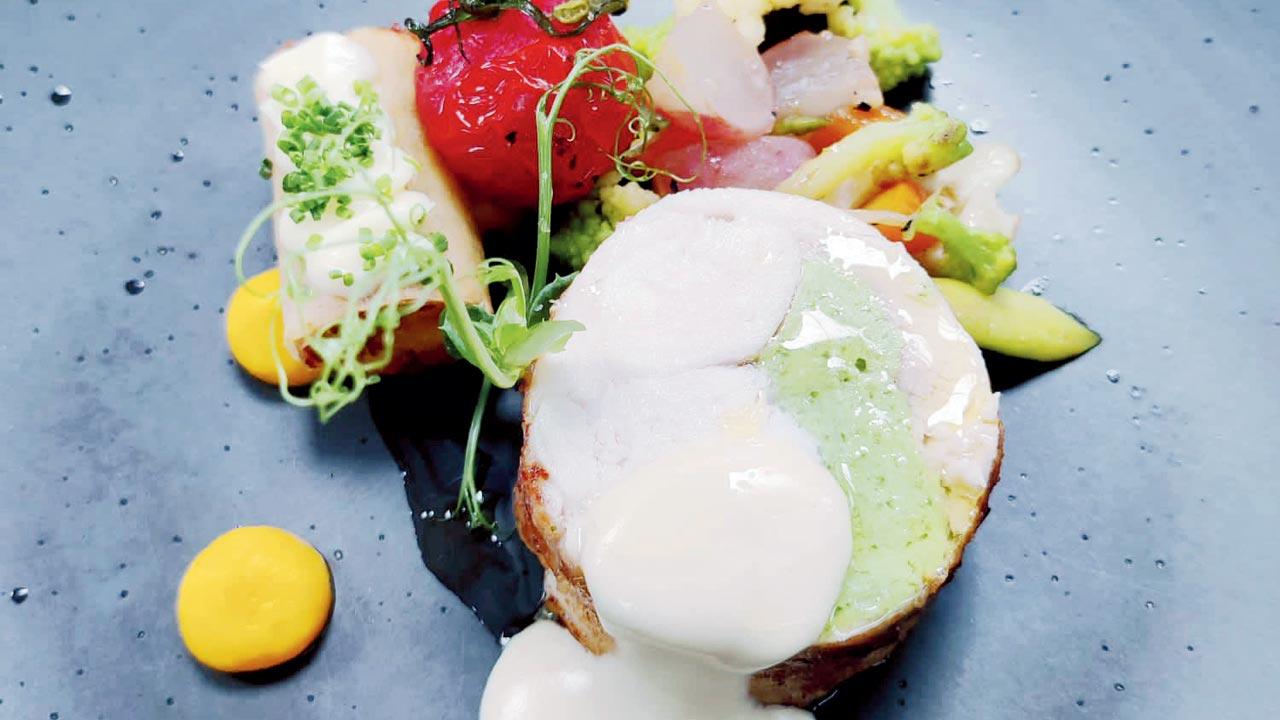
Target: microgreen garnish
{"points": [[574, 16], [330, 147], [328, 143]]}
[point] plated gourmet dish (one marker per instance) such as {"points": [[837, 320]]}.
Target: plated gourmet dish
{"points": [[747, 306]]}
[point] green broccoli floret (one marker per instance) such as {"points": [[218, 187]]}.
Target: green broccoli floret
{"points": [[594, 218], [981, 259], [879, 154], [899, 51]]}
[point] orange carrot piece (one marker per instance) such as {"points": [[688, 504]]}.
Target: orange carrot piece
{"points": [[905, 198]]}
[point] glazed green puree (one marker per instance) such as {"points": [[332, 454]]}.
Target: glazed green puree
{"points": [[842, 391]]}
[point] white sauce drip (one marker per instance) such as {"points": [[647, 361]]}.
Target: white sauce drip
{"points": [[717, 559], [544, 674], [336, 63], [686, 552]]}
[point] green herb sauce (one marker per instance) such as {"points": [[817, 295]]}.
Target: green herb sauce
{"points": [[834, 366]]}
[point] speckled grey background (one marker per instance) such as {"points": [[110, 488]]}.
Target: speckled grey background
{"points": [[1128, 566]]}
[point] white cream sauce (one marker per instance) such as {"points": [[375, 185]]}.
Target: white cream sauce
{"points": [[717, 559], [335, 63], [544, 674], [974, 182], [731, 549]]}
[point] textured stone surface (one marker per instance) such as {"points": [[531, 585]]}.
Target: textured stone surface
{"points": [[1125, 562]]}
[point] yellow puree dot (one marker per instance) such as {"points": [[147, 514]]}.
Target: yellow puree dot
{"points": [[254, 598], [252, 312]]}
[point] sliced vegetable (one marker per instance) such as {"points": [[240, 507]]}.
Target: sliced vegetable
{"points": [[1017, 324], [850, 171], [899, 50], [904, 198], [842, 123], [982, 259], [799, 125]]}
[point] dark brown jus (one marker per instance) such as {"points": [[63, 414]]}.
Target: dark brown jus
{"points": [[423, 421]]}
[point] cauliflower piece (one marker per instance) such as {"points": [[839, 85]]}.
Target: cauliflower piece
{"points": [[748, 15], [899, 50], [594, 218]]}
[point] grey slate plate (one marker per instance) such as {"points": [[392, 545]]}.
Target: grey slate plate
{"points": [[1127, 569]]}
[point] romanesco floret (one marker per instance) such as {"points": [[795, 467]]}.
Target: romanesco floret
{"points": [[979, 258], [748, 15], [899, 50], [594, 218]]}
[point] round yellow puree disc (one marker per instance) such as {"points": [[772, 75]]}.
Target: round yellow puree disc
{"points": [[254, 598]]}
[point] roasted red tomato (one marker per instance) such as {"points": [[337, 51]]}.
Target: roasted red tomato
{"points": [[477, 98]]}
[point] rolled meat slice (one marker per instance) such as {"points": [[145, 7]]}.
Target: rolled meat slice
{"points": [[757, 313]]}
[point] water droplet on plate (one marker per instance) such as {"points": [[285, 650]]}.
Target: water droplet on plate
{"points": [[1136, 392], [980, 127], [1113, 376], [178, 156], [1160, 564], [1119, 687], [1037, 285], [61, 95], [337, 555], [19, 595], [134, 286], [1149, 605]]}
